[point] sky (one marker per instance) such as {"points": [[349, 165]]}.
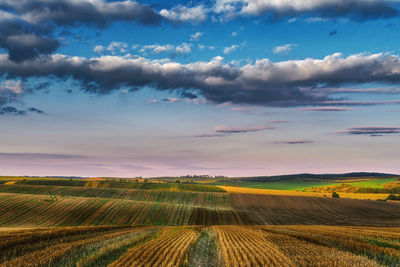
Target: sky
{"points": [[223, 87]]}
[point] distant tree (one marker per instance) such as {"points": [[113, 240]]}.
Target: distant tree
{"points": [[335, 195], [177, 181]]}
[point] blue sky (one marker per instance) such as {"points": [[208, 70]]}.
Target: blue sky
{"points": [[226, 87]]}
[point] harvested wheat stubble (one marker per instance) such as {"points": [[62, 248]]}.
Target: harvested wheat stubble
{"points": [[50, 253], [303, 253], [169, 249], [381, 248], [242, 246], [269, 245]]}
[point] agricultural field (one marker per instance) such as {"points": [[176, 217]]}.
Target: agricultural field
{"points": [[84, 223], [356, 188], [128, 184], [44, 206], [291, 185], [201, 246]]}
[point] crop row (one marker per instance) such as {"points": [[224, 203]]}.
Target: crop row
{"points": [[26, 210], [128, 184], [201, 246], [209, 199]]}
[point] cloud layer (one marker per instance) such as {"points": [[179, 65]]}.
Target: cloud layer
{"points": [[372, 131], [353, 9], [267, 83], [294, 142], [26, 27], [234, 130]]}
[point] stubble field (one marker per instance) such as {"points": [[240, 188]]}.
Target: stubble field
{"points": [[53, 225]]}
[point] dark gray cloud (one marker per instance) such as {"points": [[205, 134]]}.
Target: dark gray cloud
{"points": [[35, 110], [68, 12], [294, 142], [26, 27], [266, 83], [9, 110], [210, 135], [371, 131], [222, 131], [326, 109], [235, 130], [331, 33]]}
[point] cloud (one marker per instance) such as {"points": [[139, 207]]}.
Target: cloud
{"points": [[361, 103], [196, 36], [371, 131], [67, 12], [40, 156], [294, 142], [222, 131], [171, 100], [376, 90], [26, 46], [230, 49], [234, 130], [157, 49], [279, 121], [326, 109], [10, 91], [331, 33], [35, 110], [183, 48], [181, 14], [117, 47], [26, 27], [210, 135], [13, 87], [358, 10], [283, 49], [8, 110], [263, 82], [98, 49]]}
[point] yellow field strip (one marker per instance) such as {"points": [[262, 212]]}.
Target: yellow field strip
{"points": [[243, 190]]}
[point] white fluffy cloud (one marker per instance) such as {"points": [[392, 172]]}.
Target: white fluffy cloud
{"points": [[13, 87], [357, 9], [181, 13], [283, 49], [98, 49], [117, 47], [196, 36], [183, 48], [230, 49]]}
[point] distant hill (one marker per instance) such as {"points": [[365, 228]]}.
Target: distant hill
{"points": [[343, 176]]}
